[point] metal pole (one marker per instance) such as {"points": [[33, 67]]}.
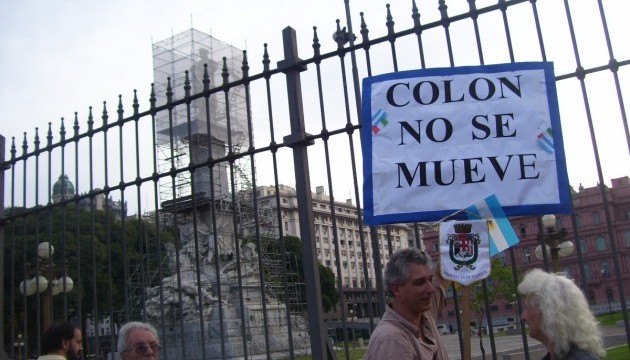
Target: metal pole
{"points": [[46, 297], [3, 354], [298, 141], [555, 256]]}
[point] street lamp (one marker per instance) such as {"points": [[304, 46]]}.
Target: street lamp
{"points": [[19, 344], [352, 315], [518, 313], [556, 243], [40, 284], [606, 275]]}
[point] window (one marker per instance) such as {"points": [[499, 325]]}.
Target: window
{"points": [[587, 272], [494, 308], [583, 246], [527, 256], [601, 243], [604, 269], [503, 259], [591, 297], [596, 218], [578, 221], [626, 236]]}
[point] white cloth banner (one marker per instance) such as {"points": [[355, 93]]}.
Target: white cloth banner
{"points": [[435, 140], [464, 251]]}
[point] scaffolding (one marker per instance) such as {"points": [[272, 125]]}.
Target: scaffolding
{"points": [[215, 124], [188, 134]]}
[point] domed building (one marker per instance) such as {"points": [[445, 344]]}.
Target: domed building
{"points": [[63, 189]]}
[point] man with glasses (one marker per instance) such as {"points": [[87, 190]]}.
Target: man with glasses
{"points": [[138, 340]]}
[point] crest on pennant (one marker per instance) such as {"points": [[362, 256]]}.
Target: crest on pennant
{"points": [[463, 246]]}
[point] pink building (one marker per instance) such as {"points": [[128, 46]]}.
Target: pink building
{"points": [[592, 263]]}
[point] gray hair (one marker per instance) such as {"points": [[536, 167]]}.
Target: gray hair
{"points": [[397, 270], [125, 330], [566, 317]]}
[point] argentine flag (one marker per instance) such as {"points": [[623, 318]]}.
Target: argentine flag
{"points": [[502, 235]]}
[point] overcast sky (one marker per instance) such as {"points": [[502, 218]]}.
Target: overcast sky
{"points": [[63, 56]]}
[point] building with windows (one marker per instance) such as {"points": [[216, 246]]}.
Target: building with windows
{"points": [[63, 190], [591, 263], [338, 223]]}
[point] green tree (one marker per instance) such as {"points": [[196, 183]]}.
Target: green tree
{"points": [[97, 251], [293, 251], [499, 285]]}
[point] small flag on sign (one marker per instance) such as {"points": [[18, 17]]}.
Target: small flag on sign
{"points": [[545, 140], [379, 121], [502, 235]]}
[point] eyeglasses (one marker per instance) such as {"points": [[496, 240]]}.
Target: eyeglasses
{"points": [[143, 348]]}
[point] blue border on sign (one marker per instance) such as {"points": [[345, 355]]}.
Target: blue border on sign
{"points": [[564, 206]]}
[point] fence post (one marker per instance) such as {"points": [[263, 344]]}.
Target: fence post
{"points": [[298, 141], [3, 354]]}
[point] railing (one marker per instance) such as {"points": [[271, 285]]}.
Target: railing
{"points": [[212, 298]]}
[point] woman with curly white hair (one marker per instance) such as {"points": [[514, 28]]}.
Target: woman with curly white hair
{"points": [[557, 314]]}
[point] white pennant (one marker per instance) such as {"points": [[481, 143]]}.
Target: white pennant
{"points": [[464, 251]]}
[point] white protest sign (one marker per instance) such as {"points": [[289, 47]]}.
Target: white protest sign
{"points": [[435, 140]]}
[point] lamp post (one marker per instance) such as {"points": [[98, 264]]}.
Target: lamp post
{"points": [[40, 284], [605, 274], [19, 344], [352, 315], [556, 243], [518, 313]]}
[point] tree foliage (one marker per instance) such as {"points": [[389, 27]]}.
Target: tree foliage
{"points": [[499, 285], [97, 251], [295, 273]]}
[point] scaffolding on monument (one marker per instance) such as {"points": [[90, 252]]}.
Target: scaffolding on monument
{"points": [[188, 135]]}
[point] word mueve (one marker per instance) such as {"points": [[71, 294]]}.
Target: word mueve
{"points": [[473, 170]]}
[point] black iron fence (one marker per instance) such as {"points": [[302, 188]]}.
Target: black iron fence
{"points": [[178, 215]]}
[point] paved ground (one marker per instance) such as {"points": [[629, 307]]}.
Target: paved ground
{"points": [[506, 344]]}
